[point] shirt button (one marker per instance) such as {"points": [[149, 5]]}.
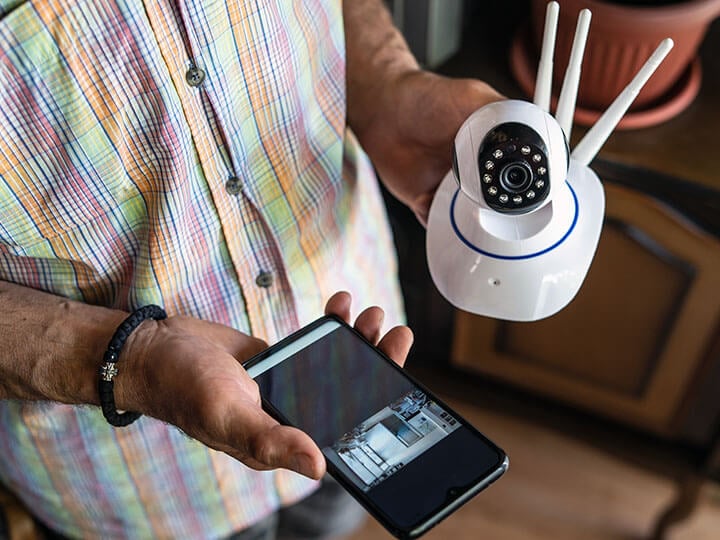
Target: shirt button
{"points": [[194, 76], [264, 279], [233, 185]]}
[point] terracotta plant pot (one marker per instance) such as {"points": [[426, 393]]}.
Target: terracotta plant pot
{"points": [[621, 38]]}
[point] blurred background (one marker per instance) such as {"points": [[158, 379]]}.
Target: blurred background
{"points": [[609, 410]]}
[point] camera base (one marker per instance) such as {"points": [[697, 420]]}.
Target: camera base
{"points": [[495, 275]]}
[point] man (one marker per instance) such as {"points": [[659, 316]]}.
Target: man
{"points": [[195, 156]]}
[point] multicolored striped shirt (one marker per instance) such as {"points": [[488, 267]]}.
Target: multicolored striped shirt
{"points": [[192, 154]]}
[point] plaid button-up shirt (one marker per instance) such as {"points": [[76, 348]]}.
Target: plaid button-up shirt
{"points": [[192, 154]]}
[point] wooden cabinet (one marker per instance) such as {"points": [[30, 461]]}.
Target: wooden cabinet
{"points": [[632, 343]]}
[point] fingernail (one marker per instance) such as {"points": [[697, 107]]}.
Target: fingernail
{"points": [[303, 464]]}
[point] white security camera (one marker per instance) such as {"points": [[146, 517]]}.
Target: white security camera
{"points": [[514, 226], [505, 154]]}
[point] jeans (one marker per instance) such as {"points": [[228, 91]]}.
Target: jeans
{"points": [[329, 512]]}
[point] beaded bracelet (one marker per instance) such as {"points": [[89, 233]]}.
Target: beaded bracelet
{"points": [[109, 369]]}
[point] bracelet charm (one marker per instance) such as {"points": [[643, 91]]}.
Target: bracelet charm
{"points": [[109, 370]]}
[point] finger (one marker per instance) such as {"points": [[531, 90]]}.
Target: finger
{"points": [[339, 304], [243, 347], [422, 215], [369, 323], [421, 206], [287, 447], [261, 442], [473, 94], [396, 344], [310, 464]]}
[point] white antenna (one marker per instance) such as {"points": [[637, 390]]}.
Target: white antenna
{"points": [[593, 140], [568, 94], [543, 84]]}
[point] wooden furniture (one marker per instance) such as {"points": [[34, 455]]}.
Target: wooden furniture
{"points": [[635, 341]]}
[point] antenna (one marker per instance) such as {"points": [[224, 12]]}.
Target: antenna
{"points": [[568, 94], [543, 85], [593, 140]]}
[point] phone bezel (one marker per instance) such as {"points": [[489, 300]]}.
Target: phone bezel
{"points": [[428, 521]]}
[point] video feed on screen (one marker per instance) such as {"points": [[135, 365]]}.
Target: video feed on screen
{"points": [[381, 445]]}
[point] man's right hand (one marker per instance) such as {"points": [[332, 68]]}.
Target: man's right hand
{"points": [[188, 372]]}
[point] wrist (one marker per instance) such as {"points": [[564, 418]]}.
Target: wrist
{"points": [[129, 391], [130, 384], [74, 380]]}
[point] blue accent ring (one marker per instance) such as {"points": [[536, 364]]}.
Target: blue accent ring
{"points": [[513, 257]]}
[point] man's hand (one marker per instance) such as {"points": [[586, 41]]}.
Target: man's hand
{"points": [[188, 372], [181, 370], [405, 118], [409, 136]]}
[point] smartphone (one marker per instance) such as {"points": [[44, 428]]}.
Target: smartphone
{"points": [[400, 451]]}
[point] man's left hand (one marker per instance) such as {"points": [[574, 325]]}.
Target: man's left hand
{"points": [[409, 134]]}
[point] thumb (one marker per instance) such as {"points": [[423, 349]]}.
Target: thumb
{"points": [[261, 442]]}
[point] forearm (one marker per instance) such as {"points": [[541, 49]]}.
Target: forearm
{"points": [[51, 347], [376, 55]]}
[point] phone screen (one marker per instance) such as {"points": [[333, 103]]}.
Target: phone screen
{"points": [[376, 427]]}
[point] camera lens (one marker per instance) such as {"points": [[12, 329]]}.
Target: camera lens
{"points": [[516, 176]]}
